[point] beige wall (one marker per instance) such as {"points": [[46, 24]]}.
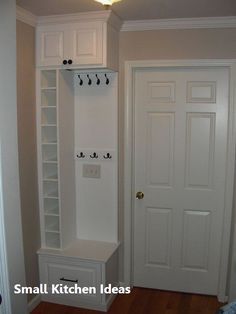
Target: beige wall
{"points": [[167, 44], [178, 44], [27, 148]]}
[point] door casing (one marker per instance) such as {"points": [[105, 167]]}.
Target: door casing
{"points": [[5, 307], [130, 67]]}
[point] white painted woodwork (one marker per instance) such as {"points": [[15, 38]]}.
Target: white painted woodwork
{"points": [[48, 158], [50, 46], [73, 119], [92, 263], [88, 42], [79, 215], [96, 131], [66, 157], [12, 268], [56, 158], [181, 124], [5, 307], [135, 25], [232, 282]]}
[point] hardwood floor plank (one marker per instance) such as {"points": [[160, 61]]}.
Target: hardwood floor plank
{"points": [[159, 302], [123, 302], [141, 301], [144, 301], [184, 305], [173, 304]]}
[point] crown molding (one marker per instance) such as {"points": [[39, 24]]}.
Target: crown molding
{"points": [[73, 17], [183, 23], [127, 26], [106, 16], [25, 16]]}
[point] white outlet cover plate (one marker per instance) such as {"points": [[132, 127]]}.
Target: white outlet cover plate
{"points": [[92, 171]]}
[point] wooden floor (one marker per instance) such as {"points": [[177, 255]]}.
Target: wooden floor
{"points": [[145, 301]]}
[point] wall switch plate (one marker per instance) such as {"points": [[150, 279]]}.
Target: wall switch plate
{"points": [[91, 171]]}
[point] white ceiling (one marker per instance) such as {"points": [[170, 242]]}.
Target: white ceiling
{"points": [[136, 9]]}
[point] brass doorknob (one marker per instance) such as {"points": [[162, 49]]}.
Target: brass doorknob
{"points": [[139, 195]]}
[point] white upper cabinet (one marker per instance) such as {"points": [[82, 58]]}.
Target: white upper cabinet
{"points": [[87, 43], [87, 40], [50, 46]]}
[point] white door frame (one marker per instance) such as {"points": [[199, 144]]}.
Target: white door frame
{"points": [[130, 67], [4, 280]]}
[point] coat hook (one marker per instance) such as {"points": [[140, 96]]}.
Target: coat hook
{"points": [[81, 81], [89, 80], [107, 79], [81, 155], [94, 156], [108, 156], [98, 80]]}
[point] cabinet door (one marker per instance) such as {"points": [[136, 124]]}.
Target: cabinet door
{"points": [[50, 46], [87, 43]]}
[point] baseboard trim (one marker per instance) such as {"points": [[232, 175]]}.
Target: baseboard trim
{"points": [[223, 298], [125, 285], [34, 303]]}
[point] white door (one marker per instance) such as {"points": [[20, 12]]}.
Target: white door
{"points": [[181, 118]]}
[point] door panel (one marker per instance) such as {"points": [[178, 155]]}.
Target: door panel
{"points": [[50, 47], [160, 133], [181, 121], [87, 43], [195, 243], [158, 237], [200, 147]]}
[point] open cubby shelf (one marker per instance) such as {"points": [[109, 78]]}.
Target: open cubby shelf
{"points": [[49, 116], [51, 206], [48, 79], [52, 240], [73, 119], [51, 194], [51, 215], [48, 89], [52, 223], [46, 107], [51, 236], [48, 125]]}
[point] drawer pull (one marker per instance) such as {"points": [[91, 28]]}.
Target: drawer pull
{"points": [[69, 280]]}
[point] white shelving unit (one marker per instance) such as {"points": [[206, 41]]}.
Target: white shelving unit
{"points": [[55, 128], [79, 214], [48, 146], [77, 113]]}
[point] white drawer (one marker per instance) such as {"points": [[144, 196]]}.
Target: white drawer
{"points": [[81, 273], [65, 269]]}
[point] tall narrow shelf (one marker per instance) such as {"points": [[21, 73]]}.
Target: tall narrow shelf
{"points": [[49, 167], [77, 112]]}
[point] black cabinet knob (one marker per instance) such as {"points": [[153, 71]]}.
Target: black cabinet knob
{"points": [[64, 62], [70, 61]]}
